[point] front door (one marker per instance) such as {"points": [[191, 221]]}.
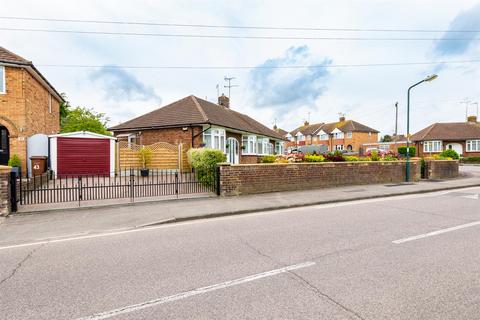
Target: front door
{"points": [[455, 146], [4, 146], [232, 151]]}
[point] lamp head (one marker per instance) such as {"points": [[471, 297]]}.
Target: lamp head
{"points": [[431, 78]]}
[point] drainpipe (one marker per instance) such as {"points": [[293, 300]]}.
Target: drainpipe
{"points": [[196, 135]]}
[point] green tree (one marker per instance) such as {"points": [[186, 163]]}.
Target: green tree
{"points": [[387, 138], [84, 119]]}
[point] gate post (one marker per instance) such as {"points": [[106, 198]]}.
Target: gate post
{"points": [[217, 180], [80, 195], [132, 185], [5, 192], [176, 183], [13, 192]]}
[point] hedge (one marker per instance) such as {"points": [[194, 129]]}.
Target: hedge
{"points": [[204, 161], [403, 151]]}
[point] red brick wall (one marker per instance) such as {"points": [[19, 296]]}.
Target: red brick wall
{"points": [[170, 135], [441, 169], [260, 178], [250, 159]]}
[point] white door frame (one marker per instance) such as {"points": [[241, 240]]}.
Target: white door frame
{"points": [[455, 146], [233, 151]]}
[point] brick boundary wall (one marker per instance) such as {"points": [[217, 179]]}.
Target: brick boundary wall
{"points": [[261, 178], [441, 169], [5, 191]]}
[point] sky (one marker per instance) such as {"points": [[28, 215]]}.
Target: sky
{"points": [[266, 90]]}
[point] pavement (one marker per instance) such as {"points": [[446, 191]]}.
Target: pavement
{"points": [[43, 225], [406, 257]]}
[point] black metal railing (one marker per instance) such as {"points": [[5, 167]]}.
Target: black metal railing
{"points": [[129, 183]]}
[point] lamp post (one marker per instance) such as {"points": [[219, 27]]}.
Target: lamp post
{"points": [[427, 79]]}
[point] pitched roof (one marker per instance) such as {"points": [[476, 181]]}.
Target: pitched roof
{"points": [[10, 58], [449, 131], [281, 131], [345, 126], [193, 110]]}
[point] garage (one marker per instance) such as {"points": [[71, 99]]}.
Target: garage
{"points": [[82, 153]]}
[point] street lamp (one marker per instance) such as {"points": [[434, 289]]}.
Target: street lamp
{"points": [[427, 79]]}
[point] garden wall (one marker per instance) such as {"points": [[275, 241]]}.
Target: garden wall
{"points": [[441, 169], [4, 191], [260, 178]]}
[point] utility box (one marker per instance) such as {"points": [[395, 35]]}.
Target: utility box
{"points": [[39, 165]]}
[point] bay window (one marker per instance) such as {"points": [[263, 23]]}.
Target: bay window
{"points": [[215, 139], [473, 145], [432, 146], [263, 146]]}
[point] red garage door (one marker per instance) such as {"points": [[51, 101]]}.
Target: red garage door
{"points": [[83, 156]]}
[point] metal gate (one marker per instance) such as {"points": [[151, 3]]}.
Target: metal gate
{"points": [[127, 184]]}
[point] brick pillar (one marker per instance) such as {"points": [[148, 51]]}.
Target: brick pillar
{"points": [[5, 191]]}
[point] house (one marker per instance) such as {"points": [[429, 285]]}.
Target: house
{"points": [[463, 137], [390, 146], [341, 135], [29, 105], [196, 122]]}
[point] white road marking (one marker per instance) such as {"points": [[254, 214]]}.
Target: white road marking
{"points": [[194, 292], [435, 233], [471, 196]]}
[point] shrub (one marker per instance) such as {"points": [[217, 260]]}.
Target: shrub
{"points": [[268, 159], [471, 159], [314, 158], [14, 161], [204, 161], [450, 154], [364, 159], [389, 157], [374, 156], [336, 156], [145, 156], [351, 158], [403, 151]]}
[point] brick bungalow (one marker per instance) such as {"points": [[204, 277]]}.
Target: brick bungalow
{"points": [[195, 123], [29, 105], [463, 137], [391, 146], [341, 135]]}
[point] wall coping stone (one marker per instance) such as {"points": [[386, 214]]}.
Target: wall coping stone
{"points": [[5, 169], [343, 163]]}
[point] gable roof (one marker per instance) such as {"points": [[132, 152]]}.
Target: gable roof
{"points": [[11, 59], [192, 110], [344, 126], [449, 131]]}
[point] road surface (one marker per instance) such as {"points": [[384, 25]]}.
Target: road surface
{"points": [[413, 257]]}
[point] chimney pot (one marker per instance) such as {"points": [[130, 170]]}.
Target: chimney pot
{"points": [[306, 123], [472, 119], [342, 119], [223, 100]]}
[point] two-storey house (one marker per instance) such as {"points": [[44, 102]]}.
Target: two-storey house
{"points": [[29, 105]]}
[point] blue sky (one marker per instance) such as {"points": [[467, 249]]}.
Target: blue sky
{"points": [[366, 94]]}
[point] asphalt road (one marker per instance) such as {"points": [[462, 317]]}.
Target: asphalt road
{"points": [[415, 257]]}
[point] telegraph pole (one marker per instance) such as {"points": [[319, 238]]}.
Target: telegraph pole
{"points": [[396, 118], [230, 85]]}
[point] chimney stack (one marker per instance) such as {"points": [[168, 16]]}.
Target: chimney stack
{"points": [[472, 119], [306, 123], [223, 100], [342, 118]]}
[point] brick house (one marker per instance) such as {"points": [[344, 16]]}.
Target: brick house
{"points": [[29, 105], [391, 146], [195, 123], [342, 135], [463, 137]]}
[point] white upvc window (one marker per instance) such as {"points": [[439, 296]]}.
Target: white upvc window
{"points": [[214, 138], [249, 144], [349, 134], [324, 137], [3, 85], [473, 145], [339, 147], [263, 147], [279, 147], [338, 135], [432, 146], [300, 136]]}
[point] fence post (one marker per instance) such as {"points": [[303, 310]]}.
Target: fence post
{"points": [[80, 195], [176, 183], [217, 180], [132, 185], [13, 192]]}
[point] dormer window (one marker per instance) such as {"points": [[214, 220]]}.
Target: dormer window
{"points": [[337, 134]]}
